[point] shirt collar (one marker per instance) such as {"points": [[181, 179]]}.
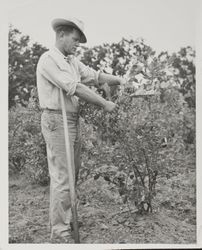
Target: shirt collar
{"points": [[66, 58]]}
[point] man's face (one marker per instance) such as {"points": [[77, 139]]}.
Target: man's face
{"points": [[70, 41]]}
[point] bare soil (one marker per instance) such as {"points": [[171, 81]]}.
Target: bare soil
{"points": [[105, 218]]}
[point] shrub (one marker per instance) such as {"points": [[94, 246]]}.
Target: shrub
{"points": [[27, 151], [141, 141]]}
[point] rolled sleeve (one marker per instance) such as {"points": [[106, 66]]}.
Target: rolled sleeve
{"points": [[72, 88], [88, 75], [60, 78]]}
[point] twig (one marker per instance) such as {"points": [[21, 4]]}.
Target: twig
{"points": [[129, 209], [137, 170], [118, 213]]}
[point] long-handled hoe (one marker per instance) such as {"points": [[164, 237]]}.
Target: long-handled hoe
{"points": [[71, 171]]}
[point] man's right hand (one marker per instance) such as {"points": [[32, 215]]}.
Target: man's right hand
{"points": [[109, 106], [90, 96]]}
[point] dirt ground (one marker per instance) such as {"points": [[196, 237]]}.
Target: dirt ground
{"points": [[105, 218]]}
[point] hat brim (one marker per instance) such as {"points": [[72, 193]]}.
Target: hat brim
{"points": [[63, 22]]}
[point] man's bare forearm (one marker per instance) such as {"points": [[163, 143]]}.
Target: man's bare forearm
{"points": [[88, 95], [110, 79]]}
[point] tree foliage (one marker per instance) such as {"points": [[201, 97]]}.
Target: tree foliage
{"points": [[115, 58], [23, 58]]}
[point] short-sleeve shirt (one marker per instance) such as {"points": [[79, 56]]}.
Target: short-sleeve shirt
{"points": [[55, 71]]}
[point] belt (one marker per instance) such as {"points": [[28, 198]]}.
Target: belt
{"points": [[59, 111]]}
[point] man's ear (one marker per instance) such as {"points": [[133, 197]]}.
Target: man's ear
{"points": [[61, 34]]}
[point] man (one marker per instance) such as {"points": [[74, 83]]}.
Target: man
{"points": [[59, 68]]}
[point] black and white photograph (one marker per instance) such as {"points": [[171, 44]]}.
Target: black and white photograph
{"points": [[102, 124]]}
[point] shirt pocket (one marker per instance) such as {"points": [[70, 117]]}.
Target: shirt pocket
{"points": [[60, 63]]}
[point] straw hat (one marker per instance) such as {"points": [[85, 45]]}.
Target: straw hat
{"points": [[73, 22]]}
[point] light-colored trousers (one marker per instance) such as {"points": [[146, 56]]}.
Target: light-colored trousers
{"points": [[53, 132]]}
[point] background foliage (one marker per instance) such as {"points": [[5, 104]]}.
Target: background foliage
{"points": [[146, 140], [23, 58]]}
